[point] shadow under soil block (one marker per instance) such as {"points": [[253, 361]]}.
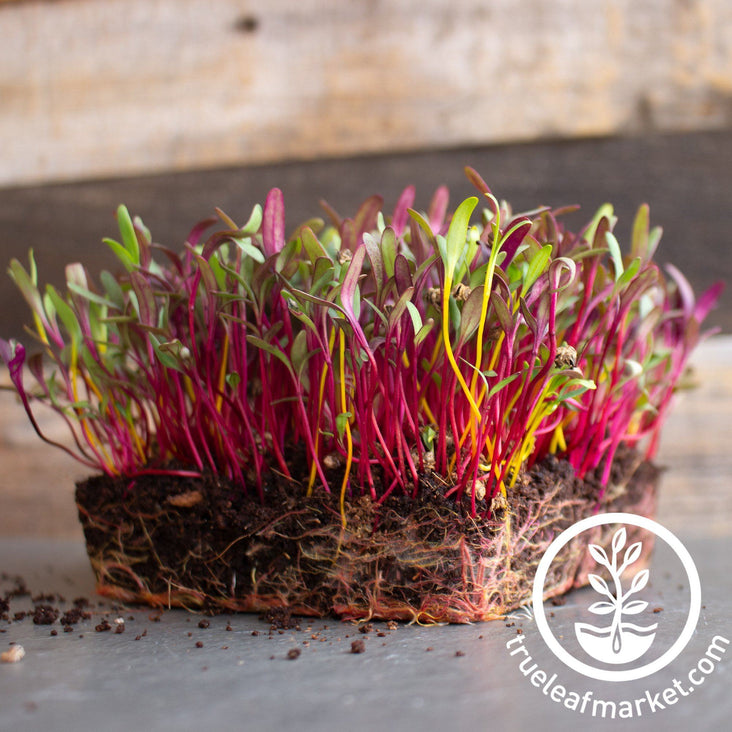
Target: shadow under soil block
{"points": [[202, 543]]}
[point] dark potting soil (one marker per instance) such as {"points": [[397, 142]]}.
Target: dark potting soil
{"points": [[205, 543]]}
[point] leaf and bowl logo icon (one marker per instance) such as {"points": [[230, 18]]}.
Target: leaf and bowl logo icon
{"points": [[620, 641]]}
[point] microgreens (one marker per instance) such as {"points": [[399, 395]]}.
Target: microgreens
{"points": [[378, 347]]}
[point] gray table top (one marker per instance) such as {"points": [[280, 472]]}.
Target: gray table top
{"points": [[407, 678]]}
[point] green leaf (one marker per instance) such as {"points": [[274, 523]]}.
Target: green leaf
{"points": [[400, 307], [299, 354], [615, 254], [627, 277], [27, 284], [121, 253], [374, 253], [246, 246], [64, 311], [471, 312], [89, 295], [501, 384], [502, 312], [415, 316], [424, 331], [312, 245], [605, 211], [528, 316], [574, 388], [169, 353], [323, 274], [537, 266], [129, 236], [113, 290], [255, 221], [287, 256], [341, 422], [457, 234], [388, 251], [269, 348], [428, 434], [639, 237], [423, 224]]}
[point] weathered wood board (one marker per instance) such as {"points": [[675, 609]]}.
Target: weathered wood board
{"points": [[91, 88]]}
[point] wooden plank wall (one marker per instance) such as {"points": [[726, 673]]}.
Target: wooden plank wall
{"points": [[93, 88]]}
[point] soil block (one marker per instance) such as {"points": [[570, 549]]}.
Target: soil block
{"points": [[206, 544]]}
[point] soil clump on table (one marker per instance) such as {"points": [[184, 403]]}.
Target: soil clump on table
{"points": [[206, 543]]}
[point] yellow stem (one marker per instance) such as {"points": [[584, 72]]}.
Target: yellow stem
{"points": [[222, 374], [321, 393], [349, 440], [88, 434], [448, 345]]}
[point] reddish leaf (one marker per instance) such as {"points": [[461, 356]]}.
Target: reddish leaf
{"points": [[400, 217], [273, 223]]}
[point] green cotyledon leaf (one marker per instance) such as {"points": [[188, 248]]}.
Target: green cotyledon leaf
{"points": [[457, 235]]}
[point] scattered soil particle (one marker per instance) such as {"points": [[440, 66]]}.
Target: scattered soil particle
{"points": [[279, 618], [47, 598], [103, 626], [293, 653], [74, 615], [20, 588], [358, 646], [366, 628], [559, 600], [519, 631], [428, 649], [203, 623], [228, 627], [255, 632], [199, 644], [657, 609], [45, 614], [119, 628], [54, 632], [4, 605], [459, 654], [392, 625]]}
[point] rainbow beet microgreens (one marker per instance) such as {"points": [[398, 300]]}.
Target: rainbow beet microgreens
{"points": [[386, 349]]}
